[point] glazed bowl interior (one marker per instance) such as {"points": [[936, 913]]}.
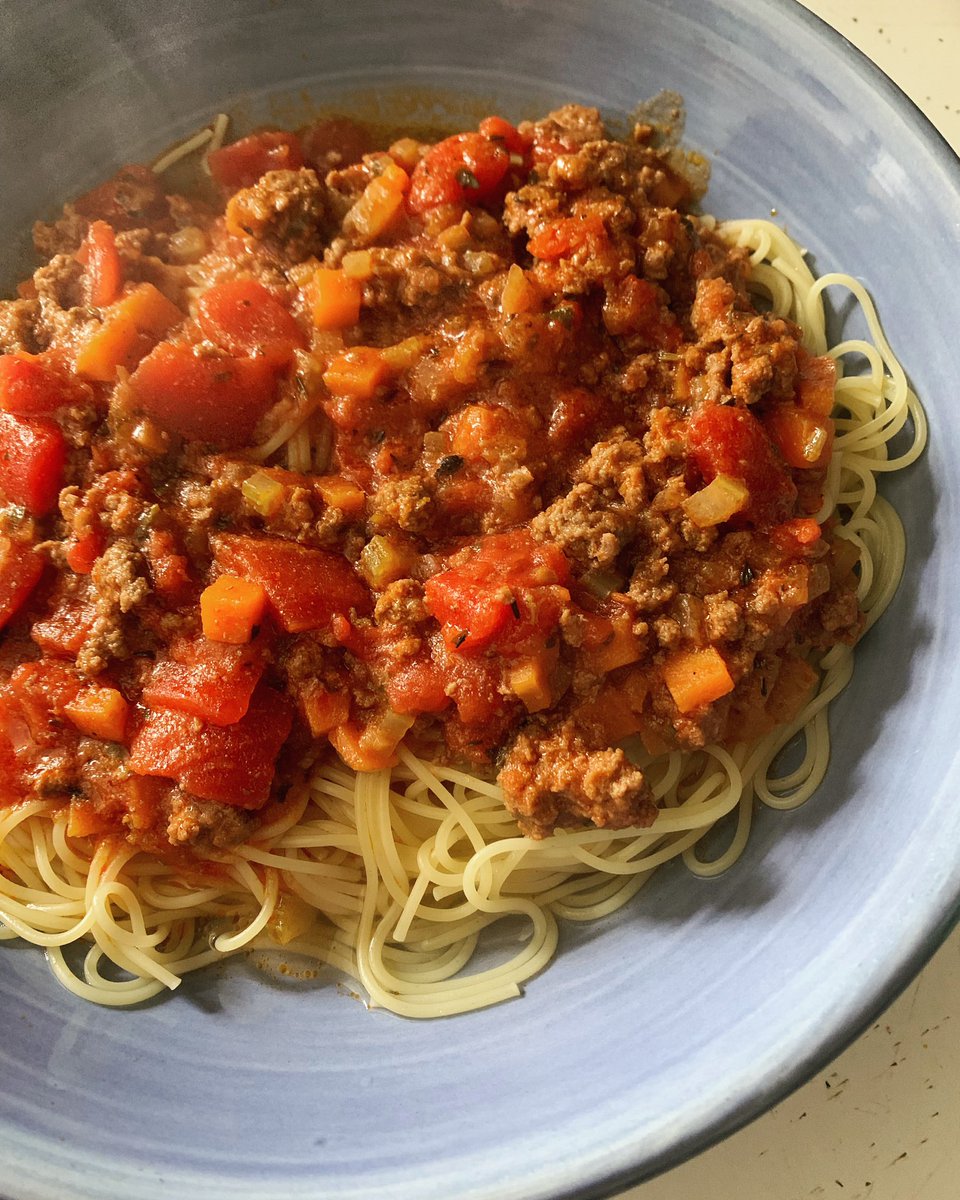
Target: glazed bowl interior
{"points": [[699, 1004]]}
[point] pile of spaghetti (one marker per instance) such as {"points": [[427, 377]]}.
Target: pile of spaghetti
{"points": [[399, 542]]}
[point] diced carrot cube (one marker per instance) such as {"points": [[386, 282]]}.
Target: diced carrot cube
{"points": [[340, 493], [348, 741], [231, 608], [803, 438], [335, 298], [696, 677], [104, 267], [99, 712], [324, 710], [356, 373], [130, 329]]}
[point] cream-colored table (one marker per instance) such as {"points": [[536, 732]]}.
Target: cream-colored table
{"points": [[881, 1122]]}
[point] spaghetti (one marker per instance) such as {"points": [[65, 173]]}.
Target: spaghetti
{"points": [[398, 877]]}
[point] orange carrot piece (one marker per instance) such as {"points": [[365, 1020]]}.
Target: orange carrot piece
{"points": [[379, 204], [230, 608], [130, 330], [324, 710], [696, 677], [335, 298], [340, 493], [804, 439], [348, 741], [104, 267], [99, 712], [356, 373]]}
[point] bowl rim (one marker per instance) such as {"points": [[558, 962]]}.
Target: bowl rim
{"points": [[921, 937]]}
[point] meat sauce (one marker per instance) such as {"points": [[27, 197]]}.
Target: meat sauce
{"points": [[480, 444]]}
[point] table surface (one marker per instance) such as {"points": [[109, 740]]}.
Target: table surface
{"points": [[882, 1121]]}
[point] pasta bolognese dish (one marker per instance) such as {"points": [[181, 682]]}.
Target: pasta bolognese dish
{"points": [[400, 540]]}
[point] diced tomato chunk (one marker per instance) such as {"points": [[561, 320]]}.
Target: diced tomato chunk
{"points": [[13, 732], [210, 680], [726, 440], [33, 455], [335, 142], [562, 237], [66, 628], [169, 569], [44, 689], [132, 199], [20, 571], [30, 386], [496, 129], [206, 398], [84, 551], [499, 590], [464, 169], [417, 687], [793, 536], [305, 587], [243, 162], [474, 685], [233, 764], [245, 318]]}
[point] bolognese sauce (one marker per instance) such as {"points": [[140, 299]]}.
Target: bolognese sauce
{"points": [[481, 444]]}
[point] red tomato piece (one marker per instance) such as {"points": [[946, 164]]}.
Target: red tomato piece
{"points": [[793, 536], [565, 236], [243, 162], [464, 169], [30, 386], [496, 129], [209, 680], [245, 318], [169, 569], [233, 764], [205, 398], [44, 689], [33, 455], [725, 440], [305, 587], [417, 687], [84, 552], [574, 417], [132, 199], [20, 571], [499, 590], [104, 274], [13, 733], [335, 142], [66, 628]]}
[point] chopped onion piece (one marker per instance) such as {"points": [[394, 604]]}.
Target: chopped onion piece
{"points": [[717, 502]]}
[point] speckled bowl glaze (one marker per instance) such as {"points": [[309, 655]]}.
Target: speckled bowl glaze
{"points": [[703, 1002]]}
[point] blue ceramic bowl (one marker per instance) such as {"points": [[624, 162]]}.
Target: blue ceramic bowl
{"points": [[702, 1003]]}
